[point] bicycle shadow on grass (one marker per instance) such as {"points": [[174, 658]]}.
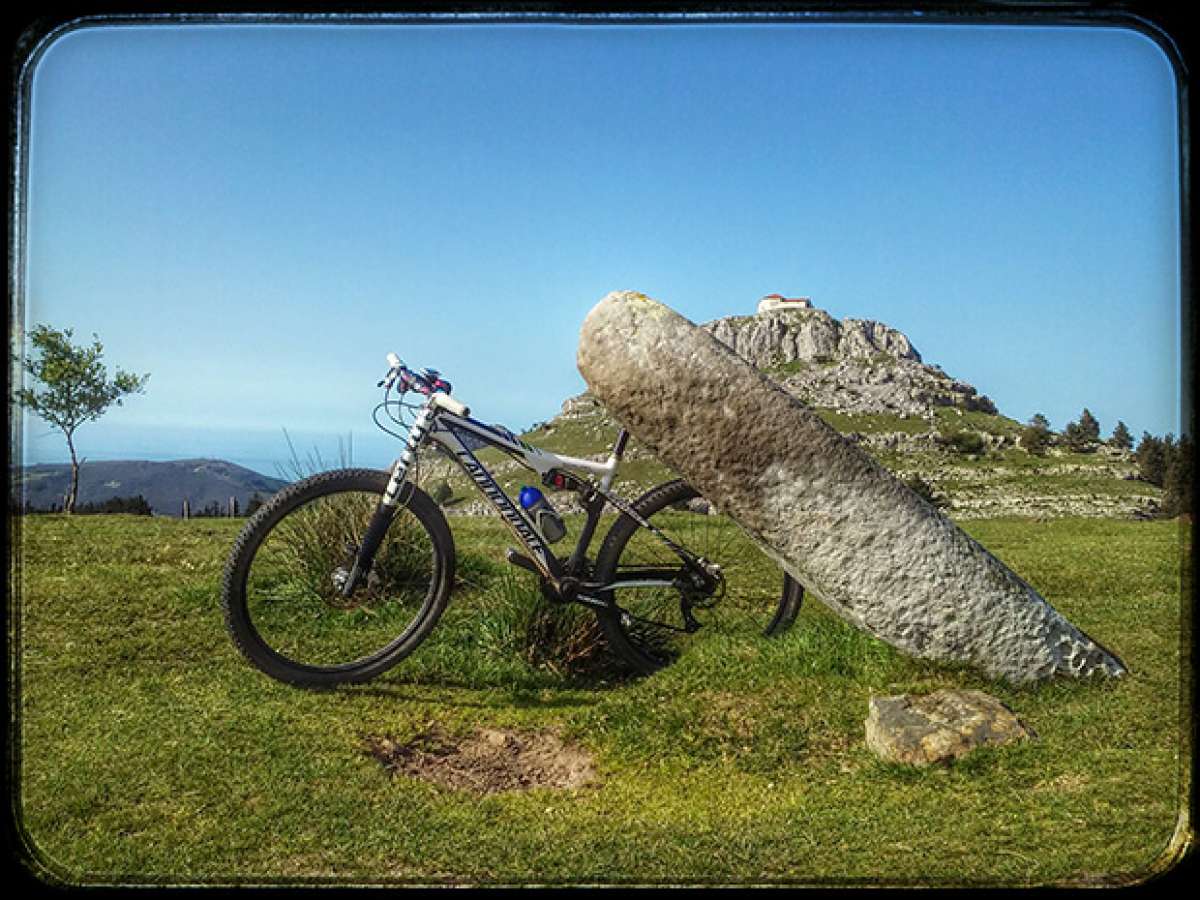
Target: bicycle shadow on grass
{"points": [[467, 698], [534, 690]]}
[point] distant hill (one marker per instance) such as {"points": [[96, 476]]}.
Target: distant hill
{"points": [[163, 484]]}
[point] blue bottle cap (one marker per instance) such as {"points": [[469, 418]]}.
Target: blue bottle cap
{"points": [[529, 496]]}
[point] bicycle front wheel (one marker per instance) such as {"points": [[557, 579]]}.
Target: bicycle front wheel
{"points": [[644, 624], [281, 592]]}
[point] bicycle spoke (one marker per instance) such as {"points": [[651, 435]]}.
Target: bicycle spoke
{"points": [[650, 627]]}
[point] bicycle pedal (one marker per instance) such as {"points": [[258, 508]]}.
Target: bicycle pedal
{"points": [[523, 562]]}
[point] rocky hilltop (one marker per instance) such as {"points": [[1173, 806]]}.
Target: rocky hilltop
{"points": [[851, 366]]}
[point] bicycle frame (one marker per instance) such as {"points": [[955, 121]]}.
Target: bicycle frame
{"points": [[448, 431], [448, 423]]}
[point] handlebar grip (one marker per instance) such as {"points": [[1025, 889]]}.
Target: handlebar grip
{"points": [[448, 403]]}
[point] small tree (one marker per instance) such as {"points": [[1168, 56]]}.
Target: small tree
{"points": [[1177, 477], [1151, 458], [1082, 436], [1035, 437], [1121, 438], [1089, 427], [70, 387]]}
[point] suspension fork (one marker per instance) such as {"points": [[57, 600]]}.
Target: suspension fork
{"points": [[389, 504]]}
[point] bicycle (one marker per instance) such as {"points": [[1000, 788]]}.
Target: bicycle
{"points": [[341, 575]]}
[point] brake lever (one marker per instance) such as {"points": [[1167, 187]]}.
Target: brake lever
{"points": [[396, 365]]}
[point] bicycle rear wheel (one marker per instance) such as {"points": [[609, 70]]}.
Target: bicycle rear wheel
{"points": [[645, 625], [281, 592]]}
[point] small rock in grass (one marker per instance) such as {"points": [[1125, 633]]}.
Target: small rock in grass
{"points": [[939, 727]]}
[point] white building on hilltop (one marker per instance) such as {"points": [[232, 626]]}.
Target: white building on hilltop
{"points": [[778, 301]]}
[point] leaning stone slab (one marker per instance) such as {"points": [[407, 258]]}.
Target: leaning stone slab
{"points": [[939, 727], [856, 537]]}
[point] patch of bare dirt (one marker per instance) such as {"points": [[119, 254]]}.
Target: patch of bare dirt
{"points": [[487, 762]]}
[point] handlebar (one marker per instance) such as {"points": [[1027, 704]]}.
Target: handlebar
{"points": [[427, 382]]}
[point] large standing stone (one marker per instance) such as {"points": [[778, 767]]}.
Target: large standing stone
{"points": [[858, 539]]}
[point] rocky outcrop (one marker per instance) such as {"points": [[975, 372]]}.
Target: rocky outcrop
{"points": [[939, 727], [781, 336], [851, 366], [581, 406], [859, 540]]}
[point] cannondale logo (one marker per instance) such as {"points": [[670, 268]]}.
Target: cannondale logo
{"points": [[492, 491]]}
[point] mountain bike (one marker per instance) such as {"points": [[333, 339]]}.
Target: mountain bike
{"points": [[341, 575]]}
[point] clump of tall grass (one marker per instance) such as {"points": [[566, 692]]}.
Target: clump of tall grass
{"points": [[322, 536], [313, 463], [564, 639]]}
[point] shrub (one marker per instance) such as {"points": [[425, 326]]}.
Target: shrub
{"points": [[981, 403], [134, 506], [212, 510], [1036, 436], [441, 492], [924, 490], [963, 442]]}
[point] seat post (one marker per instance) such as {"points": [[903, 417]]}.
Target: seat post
{"points": [[619, 447]]}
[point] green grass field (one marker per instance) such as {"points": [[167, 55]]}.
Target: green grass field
{"points": [[150, 752]]}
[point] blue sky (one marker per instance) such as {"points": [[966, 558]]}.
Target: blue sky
{"points": [[257, 214]]}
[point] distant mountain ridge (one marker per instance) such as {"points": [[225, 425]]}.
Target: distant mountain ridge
{"points": [[165, 485]]}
